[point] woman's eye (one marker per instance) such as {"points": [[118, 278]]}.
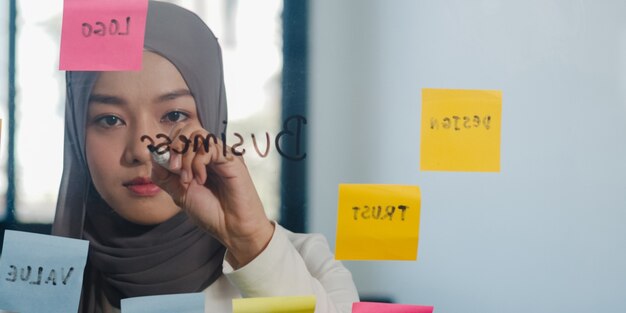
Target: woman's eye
{"points": [[175, 116], [109, 121]]}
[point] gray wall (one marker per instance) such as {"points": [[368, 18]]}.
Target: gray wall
{"points": [[547, 233]]}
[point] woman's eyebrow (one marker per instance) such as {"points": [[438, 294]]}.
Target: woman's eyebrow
{"points": [[173, 95], [105, 99]]}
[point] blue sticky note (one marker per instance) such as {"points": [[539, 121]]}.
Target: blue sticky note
{"points": [[179, 303], [41, 273]]}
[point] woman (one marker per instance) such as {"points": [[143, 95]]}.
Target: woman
{"points": [[196, 224]]}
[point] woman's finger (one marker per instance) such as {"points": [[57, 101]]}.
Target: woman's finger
{"points": [[169, 182], [201, 146]]}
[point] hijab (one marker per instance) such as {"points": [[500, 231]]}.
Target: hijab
{"points": [[126, 259]]}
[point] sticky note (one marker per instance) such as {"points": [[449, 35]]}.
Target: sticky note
{"points": [[179, 303], [375, 307], [103, 35], [294, 304], [460, 130], [41, 273], [377, 222]]}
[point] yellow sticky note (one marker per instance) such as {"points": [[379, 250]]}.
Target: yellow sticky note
{"points": [[461, 130], [377, 222], [294, 304]]}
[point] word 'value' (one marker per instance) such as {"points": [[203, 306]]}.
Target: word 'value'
{"points": [[101, 29], [457, 123], [291, 139], [379, 212], [24, 274]]}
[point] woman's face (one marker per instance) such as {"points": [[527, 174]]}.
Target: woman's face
{"points": [[123, 107]]}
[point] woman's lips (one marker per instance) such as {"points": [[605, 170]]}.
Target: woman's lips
{"points": [[142, 186]]}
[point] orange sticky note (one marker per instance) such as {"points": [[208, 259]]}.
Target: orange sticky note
{"points": [[377, 222], [375, 307], [103, 35], [460, 130]]}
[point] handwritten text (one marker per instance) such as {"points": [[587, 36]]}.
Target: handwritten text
{"points": [[288, 136], [101, 29], [457, 123], [379, 212], [36, 276]]}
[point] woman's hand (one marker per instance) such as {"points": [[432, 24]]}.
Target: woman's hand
{"points": [[215, 189]]}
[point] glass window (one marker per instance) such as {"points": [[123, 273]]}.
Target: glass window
{"points": [[250, 36], [38, 110]]}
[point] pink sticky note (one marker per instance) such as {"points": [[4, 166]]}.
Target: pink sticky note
{"points": [[375, 307], [103, 35]]}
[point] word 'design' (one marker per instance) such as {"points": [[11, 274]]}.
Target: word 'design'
{"points": [[377, 222], [41, 273], [460, 130], [104, 35], [179, 303]]}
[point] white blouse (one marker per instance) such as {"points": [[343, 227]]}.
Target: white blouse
{"points": [[291, 264]]}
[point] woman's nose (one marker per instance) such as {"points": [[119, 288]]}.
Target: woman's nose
{"points": [[137, 151]]}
